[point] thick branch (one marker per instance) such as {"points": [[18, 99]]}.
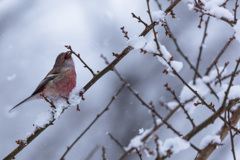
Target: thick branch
{"points": [[208, 150]]}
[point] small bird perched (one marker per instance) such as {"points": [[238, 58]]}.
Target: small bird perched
{"points": [[58, 83]]}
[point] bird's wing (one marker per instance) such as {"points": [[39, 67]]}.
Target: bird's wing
{"points": [[50, 76]]}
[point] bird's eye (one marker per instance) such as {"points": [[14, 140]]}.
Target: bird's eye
{"points": [[65, 57]]}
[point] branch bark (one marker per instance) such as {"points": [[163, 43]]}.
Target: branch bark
{"points": [[208, 150]]}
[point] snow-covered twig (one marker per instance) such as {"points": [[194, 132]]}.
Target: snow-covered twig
{"points": [[180, 104], [206, 152]]}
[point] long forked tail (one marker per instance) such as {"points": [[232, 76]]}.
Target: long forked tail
{"points": [[11, 110]]}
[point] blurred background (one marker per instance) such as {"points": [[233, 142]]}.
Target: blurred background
{"points": [[33, 33]]}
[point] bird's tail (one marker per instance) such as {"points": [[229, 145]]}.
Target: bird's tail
{"points": [[11, 110]]}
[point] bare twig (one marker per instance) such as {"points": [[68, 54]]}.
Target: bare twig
{"points": [[157, 147], [139, 20], [201, 49], [91, 154], [158, 4], [116, 141], [138, 153], [162, 104], [78, 56], [154, 32], [228, 76], [218, 74], [219, 54], [93, 122], [235, 11], [124, 32], [180, 104], [181, 52], [230, 83], [104, 153]]}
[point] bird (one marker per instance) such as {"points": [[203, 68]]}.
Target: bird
{"points": [[59, 81]]}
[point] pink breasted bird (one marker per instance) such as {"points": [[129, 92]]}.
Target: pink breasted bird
{"points": [[58, 83]]}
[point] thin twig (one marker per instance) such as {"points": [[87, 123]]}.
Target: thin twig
{"points": [[228, 76], [138, 153], [235, 11], [230, 84], [220, 54], [158, 4], [116, 141], [104, 153], [224, 4], [91, 154], [180, 104], [157, 147], [153, 115], [201, 49], [154, 32], [124, 32], [93, 122], [78, 56], [218, 75], [165, 106], [181, 52], [139, 20]]}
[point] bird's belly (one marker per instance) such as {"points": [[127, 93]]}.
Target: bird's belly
{"points": [[60, 88]]}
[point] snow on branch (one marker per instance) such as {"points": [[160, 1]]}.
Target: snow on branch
{"points": [[149, 45], [200, 87], [210, 139], [136, 142], [214, 7], [175, 144], [55, 112], [211, 7]]}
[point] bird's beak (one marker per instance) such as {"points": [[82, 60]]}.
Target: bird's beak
{"points": [[69, 54]]}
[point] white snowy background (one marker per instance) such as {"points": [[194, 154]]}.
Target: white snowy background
{"points": [[33, 33]]}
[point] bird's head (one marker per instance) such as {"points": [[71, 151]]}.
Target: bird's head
{"points": [[64, 60]]}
